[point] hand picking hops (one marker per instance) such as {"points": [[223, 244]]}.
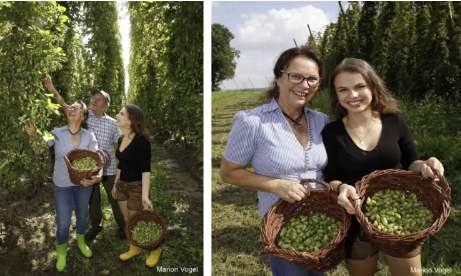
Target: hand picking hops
{"points": [[391, 211], [146, 232], [86, 163], [309, 233]]}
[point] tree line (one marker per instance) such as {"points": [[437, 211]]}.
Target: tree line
{"points": [[414, 46], [166, 66], [77, 44]]}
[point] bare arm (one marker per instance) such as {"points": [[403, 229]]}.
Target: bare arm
{"points": [[146, 203], [114, 188], [238, 175], [57, 99]]}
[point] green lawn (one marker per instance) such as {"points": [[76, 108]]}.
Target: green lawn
{"points": [[235, 228]]}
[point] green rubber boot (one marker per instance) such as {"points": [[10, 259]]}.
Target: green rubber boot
{"points": [[86, 251], [61, 250]]}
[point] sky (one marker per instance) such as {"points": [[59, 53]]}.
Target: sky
{"points": [[263, 30], [124, 24]]}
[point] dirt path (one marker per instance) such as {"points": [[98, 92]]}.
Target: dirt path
{"points": [[27, 229]]}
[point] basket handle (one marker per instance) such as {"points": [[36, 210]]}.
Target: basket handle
{"points": [[321, 182], [102, 155], [446, 190]]}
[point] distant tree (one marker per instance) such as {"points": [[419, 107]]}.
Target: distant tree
{"points": [[383, 36], [327, 48], [352, 17], [223, 55], [454, 47], [367, 26], [440, 55], [401, 43], [422, 78]]}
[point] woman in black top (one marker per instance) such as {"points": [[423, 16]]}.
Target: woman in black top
{"points": [[132, 181], [368, 135]]}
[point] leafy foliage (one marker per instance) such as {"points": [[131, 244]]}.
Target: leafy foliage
{"points": [[31, 35], [414, 46], [166, 66], [222, 55], [39, 38]]}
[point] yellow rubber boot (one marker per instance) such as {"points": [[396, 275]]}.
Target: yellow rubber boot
{"points": [[154, 257], [133, 251]]}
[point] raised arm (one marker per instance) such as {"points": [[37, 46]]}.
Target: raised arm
{"points": [[57, 99]]}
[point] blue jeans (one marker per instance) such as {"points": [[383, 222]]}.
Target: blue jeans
{"points": [[64, 197], [284, 268]]}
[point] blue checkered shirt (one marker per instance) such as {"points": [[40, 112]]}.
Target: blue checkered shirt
{"points": [[106, 133], [263, 137]]}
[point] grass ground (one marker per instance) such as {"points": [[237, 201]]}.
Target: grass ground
{"points": [[235, 228], [27, 240]]}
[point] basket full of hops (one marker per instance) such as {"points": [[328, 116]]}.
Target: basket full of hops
{"points": [[146, 229], [400, 209], [310, 232], [84, 164]]}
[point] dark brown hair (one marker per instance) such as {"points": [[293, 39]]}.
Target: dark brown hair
{"points": [[284, 61], [382, 102], [138, 121]]}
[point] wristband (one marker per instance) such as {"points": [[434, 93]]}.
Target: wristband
{"points": [[339, 187]]}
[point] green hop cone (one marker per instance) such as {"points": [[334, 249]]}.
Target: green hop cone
{"points": [[86, 163], [146, 232]]}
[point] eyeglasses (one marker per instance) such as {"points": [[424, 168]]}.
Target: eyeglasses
{"points": [[73, 108], [297, 79]]}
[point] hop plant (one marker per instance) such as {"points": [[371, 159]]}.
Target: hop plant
{"points": [[86, 163], [391, 211], [309, 233], [146, 232]]}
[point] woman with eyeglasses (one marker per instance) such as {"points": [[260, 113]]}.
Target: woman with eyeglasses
{"points": [[74, 135], [281, 139], [368, 135]]}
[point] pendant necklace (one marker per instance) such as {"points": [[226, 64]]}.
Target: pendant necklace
{"points": [[361, 140], [74, 133], [296, 122]]}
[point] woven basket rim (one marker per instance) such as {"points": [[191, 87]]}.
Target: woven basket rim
{"points": [[153, 216], [309, 260], [78, 174], [417, 237]]}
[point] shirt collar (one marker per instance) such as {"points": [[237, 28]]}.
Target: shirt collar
{"points": [[90, 113], [273, 105]]}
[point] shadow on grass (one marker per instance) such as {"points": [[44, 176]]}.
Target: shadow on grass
{"points": [[237, 240], [233, 195]]}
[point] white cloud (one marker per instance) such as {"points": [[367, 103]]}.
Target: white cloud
{"points": [[262, 37]]}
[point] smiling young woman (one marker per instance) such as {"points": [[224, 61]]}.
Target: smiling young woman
{"points": [[367, 135]]}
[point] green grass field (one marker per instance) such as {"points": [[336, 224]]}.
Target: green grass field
{"points": [[235, 228]]}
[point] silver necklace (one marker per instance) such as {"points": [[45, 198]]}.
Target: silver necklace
{"points": [[310, 142], [361, 140]]}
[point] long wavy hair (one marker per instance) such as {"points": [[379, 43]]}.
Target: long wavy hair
{"points": [[284, 61], [382, 100], [138, 121]]}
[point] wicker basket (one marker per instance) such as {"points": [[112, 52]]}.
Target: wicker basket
{"points": [[146, 216], [435, 198], [319, 200], [77, 175]]}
